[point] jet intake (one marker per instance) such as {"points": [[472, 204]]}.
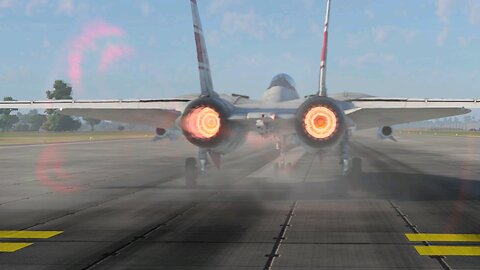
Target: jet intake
{"points": [[319, 123], [160, 132], [385, 132], [205, 124]]}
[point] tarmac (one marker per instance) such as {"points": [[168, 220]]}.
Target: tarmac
{"points": [[124, 205]]}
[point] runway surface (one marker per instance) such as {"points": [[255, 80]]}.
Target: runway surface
{"points": [[123, 205]]}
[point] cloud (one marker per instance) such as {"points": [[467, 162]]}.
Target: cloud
{"points": [[474, 8], [443, 11], [218, 6], [317, 29], [442, 36], [46, 43], [65, 7], [252, 60], [248, 22], [284, 32], [6, 4], [409, 35], [369, 59], [308, 4], [146, 9], [34, 4], [355, 40], [256, 26], [370, 14], [282, 29], [213, 37], [464, 41], [380, 34]]}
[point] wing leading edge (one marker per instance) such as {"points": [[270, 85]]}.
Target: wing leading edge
{"points": [[374, 112], [152, 112]]}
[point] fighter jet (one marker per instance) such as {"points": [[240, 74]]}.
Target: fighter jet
{"points": [[218, 123]]}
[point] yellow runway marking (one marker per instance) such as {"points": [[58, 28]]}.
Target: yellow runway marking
{"points": [[438, 237], [29, 234], [448, 250], [12, 247]]}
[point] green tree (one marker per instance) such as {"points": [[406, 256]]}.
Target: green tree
{"points": [[7, 120], [56, 121], [61, 90], [35, 120], [92, 122]]}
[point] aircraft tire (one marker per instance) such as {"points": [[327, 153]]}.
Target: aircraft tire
{"points": [[356, 166], [191, 172]]}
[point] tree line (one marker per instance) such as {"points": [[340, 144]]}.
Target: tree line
{"points": [[50, 121]]}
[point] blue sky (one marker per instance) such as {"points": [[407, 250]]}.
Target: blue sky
{"points": [[414, 48]]}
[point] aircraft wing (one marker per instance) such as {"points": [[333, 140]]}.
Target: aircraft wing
{"points": [[152, 112], [374, 112]]}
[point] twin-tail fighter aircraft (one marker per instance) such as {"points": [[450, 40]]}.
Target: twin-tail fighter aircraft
{"points": [[218, 123]]}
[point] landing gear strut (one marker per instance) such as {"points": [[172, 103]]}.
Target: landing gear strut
{"points": [[350, 166], [202, 158], [191, 172]]}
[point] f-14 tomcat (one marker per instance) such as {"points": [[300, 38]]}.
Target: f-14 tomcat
{"points": [[217, 123]]}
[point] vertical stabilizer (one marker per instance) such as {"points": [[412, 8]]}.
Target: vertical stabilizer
{"points": [[322, 88], [202, 56]]}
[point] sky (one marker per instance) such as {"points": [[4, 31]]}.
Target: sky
{"points": [[145, 49]]}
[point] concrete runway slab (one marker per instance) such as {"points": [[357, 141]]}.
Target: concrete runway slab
{"points": [[123, 205]]}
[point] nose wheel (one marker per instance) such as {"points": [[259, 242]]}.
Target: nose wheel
{"points": [[191, 172]]}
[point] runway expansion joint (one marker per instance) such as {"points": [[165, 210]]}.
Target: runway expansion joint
{"points": [[441, 259], [280, 238]]}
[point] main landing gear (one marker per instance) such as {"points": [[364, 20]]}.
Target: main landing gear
{"points": [[192, 171], [350, 166]]}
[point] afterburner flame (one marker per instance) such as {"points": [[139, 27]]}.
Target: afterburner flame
{"points": [[202, 122], [320, 122]]}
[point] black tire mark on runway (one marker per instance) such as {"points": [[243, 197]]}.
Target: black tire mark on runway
{"points": [[388, 165], [145, 186], [88, 184], [167, 179], [439, 187], [27, 198], [143, 235], [117, 247]]}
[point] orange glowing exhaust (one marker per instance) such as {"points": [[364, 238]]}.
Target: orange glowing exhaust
{"points": [[320, 122], [202, 122]]}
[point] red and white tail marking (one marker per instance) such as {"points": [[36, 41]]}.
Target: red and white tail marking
{"points": [[202, 56], [322, 88]]}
